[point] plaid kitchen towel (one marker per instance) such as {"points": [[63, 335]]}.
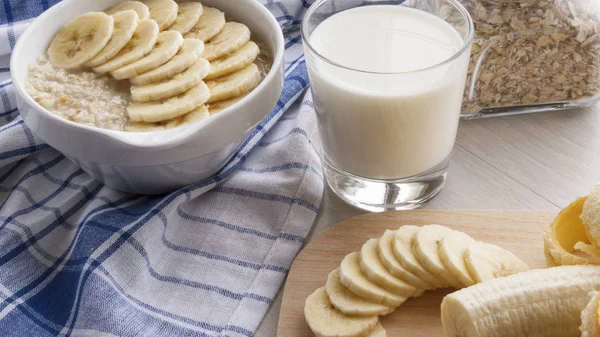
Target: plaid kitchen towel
{"points": [[79, 259]]}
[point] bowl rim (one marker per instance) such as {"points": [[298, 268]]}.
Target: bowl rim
{"points": [[140, 140]]}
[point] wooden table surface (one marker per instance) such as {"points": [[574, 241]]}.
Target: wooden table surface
{"points": [[530, 162]]}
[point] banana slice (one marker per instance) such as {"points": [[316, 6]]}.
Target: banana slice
{"points": [[234, 62], [141, 43], [80, 40], [452, 250], [166, 47], [378, 331], [234, 85], [144, 127], [188, 54], [425, 247], [374, 270], [210, 24], [386, 255], [217, 107], [352, 277], [326, 321], [233, 36], [590, 215], [350, 304], [170, 108], [174, 86], [406, 257], [196, 115], [487, 262], [126, 23], [588, 249], [188, 15], [589, 317], [142, 10], [164, 12]]}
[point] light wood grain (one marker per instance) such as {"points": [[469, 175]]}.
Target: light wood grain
{"points": [[517, 231]]}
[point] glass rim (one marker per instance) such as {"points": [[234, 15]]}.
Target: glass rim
{"points": [[458, 6]]}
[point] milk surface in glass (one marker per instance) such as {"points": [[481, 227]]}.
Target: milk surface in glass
{"points": [[388, 104]]}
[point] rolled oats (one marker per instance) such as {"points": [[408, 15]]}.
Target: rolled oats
{"points": [[533, 52]]}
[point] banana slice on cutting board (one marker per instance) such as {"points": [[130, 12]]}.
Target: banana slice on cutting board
{"points": [[487, 262], [234, 62], [385, 250], [406, 257], [141, 43], [353, 278], [171, 108], [425, 247], [233, 36], [188, 54], [349, 303], [378, 331], [210, 24], [142, 10], [234, 85], [590, 317], [590, 216], [565, 232], [219, 106], [174, 86], [452, 251], [164, 12], [167, 45], [125, 23], [188, 15], [374, 270], [80, 40], [326, 321]]}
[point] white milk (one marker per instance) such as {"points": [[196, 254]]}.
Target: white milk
{"points": [[387, 126]]}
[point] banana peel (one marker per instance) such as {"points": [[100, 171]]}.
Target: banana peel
{"points": [[566, 232]]}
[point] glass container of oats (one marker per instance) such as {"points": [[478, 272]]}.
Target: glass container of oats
{"points": [[532, 56]]}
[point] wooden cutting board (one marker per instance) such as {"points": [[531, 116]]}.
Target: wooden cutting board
{"points": [[518, 231]]}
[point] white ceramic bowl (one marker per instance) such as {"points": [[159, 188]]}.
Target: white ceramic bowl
{"points": [[153, 162]]}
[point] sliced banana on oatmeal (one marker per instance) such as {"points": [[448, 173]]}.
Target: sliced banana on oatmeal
{"points": [[126, 23], [174, 86], [235, 84], [210, 24], [166, 47], [142, 10], [219, 106], [234, 62], [233, 36], [196, 115], [141, 43], [170, 108], [188, 15], [80, 40], [144, 127], [164, 12], [188, 54]]}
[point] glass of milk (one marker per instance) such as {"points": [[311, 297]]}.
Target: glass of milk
{"points": [[387, 80]]}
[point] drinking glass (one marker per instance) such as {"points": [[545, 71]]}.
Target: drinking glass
{"points": [[387, 135]]}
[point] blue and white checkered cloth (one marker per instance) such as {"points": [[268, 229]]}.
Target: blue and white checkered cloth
{"points": [[78, 259]]}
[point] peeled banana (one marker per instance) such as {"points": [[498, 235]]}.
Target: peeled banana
{"points": [[537, 303], [590, 322], [590, 216]]}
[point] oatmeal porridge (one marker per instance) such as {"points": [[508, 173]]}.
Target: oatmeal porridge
{"points": [[135, 71]]}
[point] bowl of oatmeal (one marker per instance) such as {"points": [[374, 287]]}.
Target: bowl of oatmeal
{"points": [[154, 124]]}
